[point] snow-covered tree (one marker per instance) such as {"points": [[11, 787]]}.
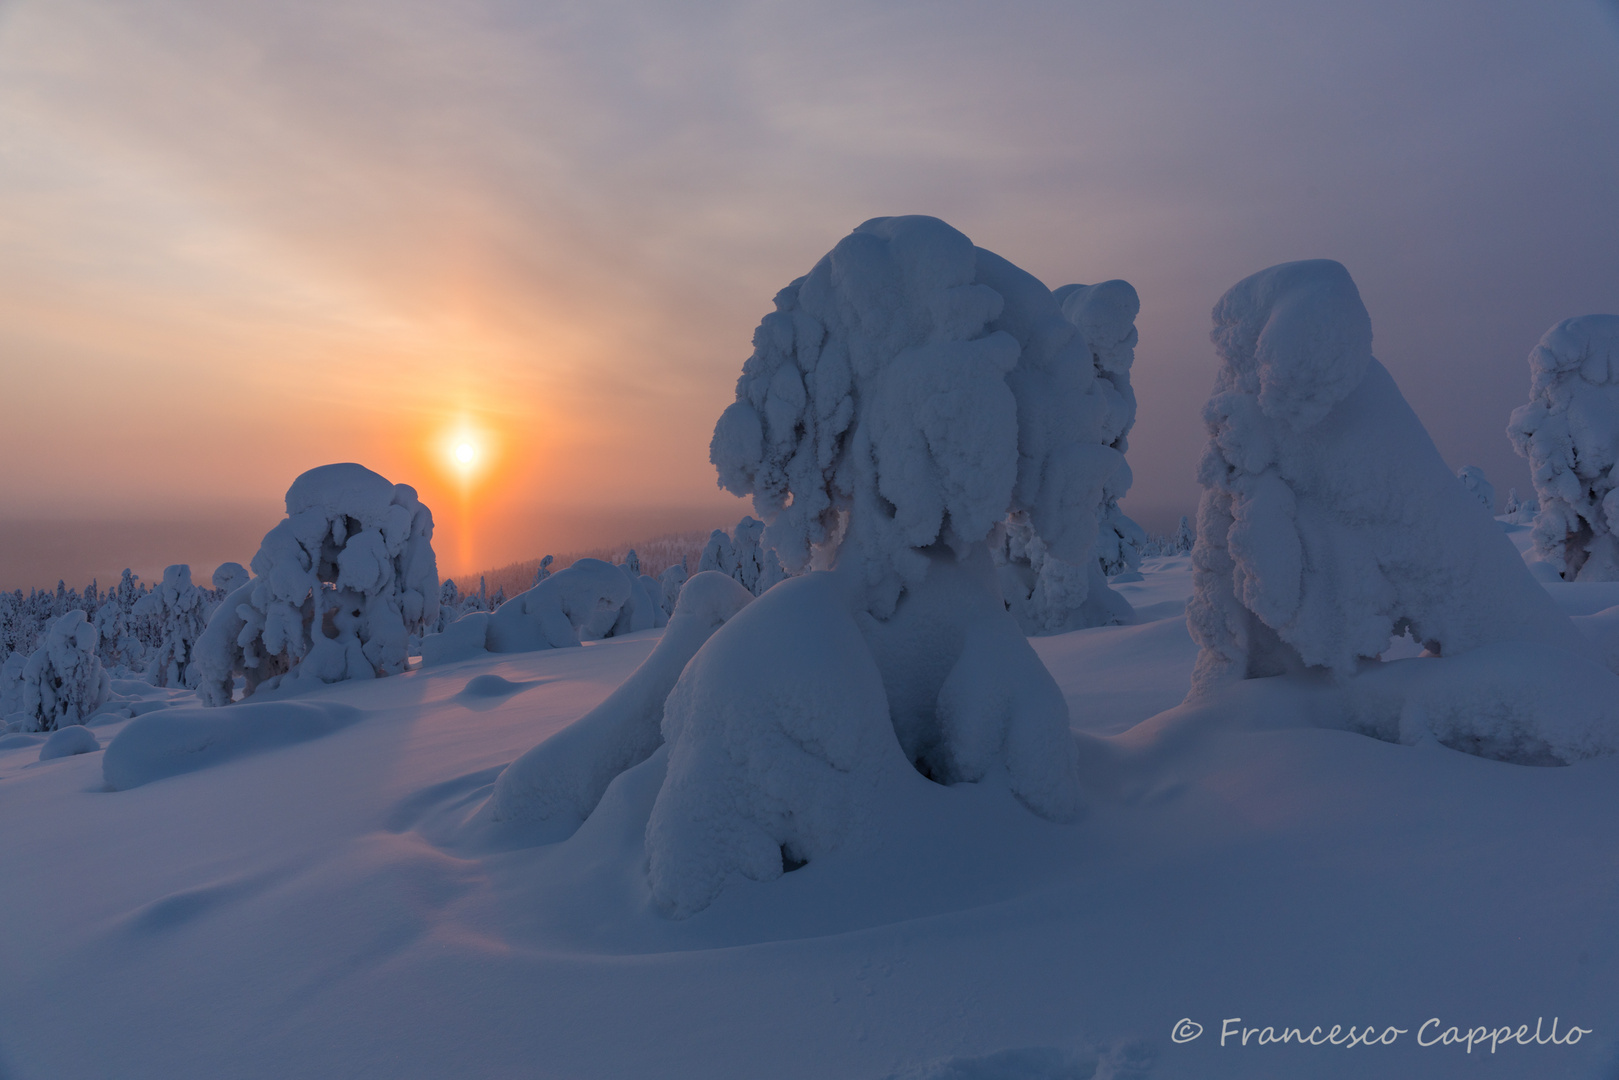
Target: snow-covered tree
{"points": [[121, 647], [230, 577], [543, 571], [181, 609], [907, 395], [63, 681], [670, 582], [338, 588], [1474, 480], [1329, 523], [1185, 537], [1569, 431]]}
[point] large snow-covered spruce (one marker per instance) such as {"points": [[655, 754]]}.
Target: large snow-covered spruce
{"points": [[1329, 522], [1569, 431], [63, 681], [905, 397], [338, 587]]}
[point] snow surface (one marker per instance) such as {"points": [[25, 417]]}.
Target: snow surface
{"points": [[337, 907]]}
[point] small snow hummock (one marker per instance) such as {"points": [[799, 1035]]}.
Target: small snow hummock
{"points": [[905, 397], [1329, 522], [63, 681], [1569, 431], [180, 610], [68, 742], [339, 587]]}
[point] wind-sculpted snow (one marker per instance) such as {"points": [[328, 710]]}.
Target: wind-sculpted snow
{"points": [[561, 780], [1329, 522], [177, 741], [1569, 431], [338, 588]]}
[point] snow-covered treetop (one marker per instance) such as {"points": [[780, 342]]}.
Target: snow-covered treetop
{"points": [[1569, 431], [1296, 336], [925, 388]]}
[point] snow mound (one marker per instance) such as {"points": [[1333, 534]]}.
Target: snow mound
{"points": [[177, 741], [1329, 522], [1569, 431], [589, 600], [561, 780], [68, 741], [771, 762], [339, 587]]}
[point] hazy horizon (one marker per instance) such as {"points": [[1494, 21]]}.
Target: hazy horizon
{"points": [[244, 240]]}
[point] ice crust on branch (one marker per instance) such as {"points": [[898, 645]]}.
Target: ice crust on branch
{"points": [[338, 587], [1569, 431], [1329, 522]]}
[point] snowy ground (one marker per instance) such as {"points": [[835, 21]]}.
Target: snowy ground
{"points": [[333, 909]]}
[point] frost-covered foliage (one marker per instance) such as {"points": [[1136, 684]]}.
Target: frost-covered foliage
{"points": [[543, 571], [181, 610], [1329, 522], [1569, 431], [670, 582], [589, 600], [63, 681], [1049, 596], [1520, 511], [907, 395], [743, 556], [1473, 479], [560, 781], [122, 632], [338, 588]]}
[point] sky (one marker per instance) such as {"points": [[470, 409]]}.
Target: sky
{"points": [[238, 240]]}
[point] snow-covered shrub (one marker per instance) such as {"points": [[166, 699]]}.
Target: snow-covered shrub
{"points": [[1473, 479], [589, 600], [1569, 431], [181, 609], [907, 395], [338, 588], [63, 681], [1329, 522], [560, 781]]}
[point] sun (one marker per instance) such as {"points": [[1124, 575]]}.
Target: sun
{"points": [[465, 453]]}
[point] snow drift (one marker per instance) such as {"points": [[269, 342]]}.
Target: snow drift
{"points": [[1569, 431], [177, 741], [1329, 523], [338, 588]]}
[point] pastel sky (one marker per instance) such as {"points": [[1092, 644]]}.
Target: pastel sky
{"points": [[238, 240]]}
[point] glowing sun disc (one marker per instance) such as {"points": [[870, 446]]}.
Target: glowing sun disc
{"points": [[464, 453]]}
